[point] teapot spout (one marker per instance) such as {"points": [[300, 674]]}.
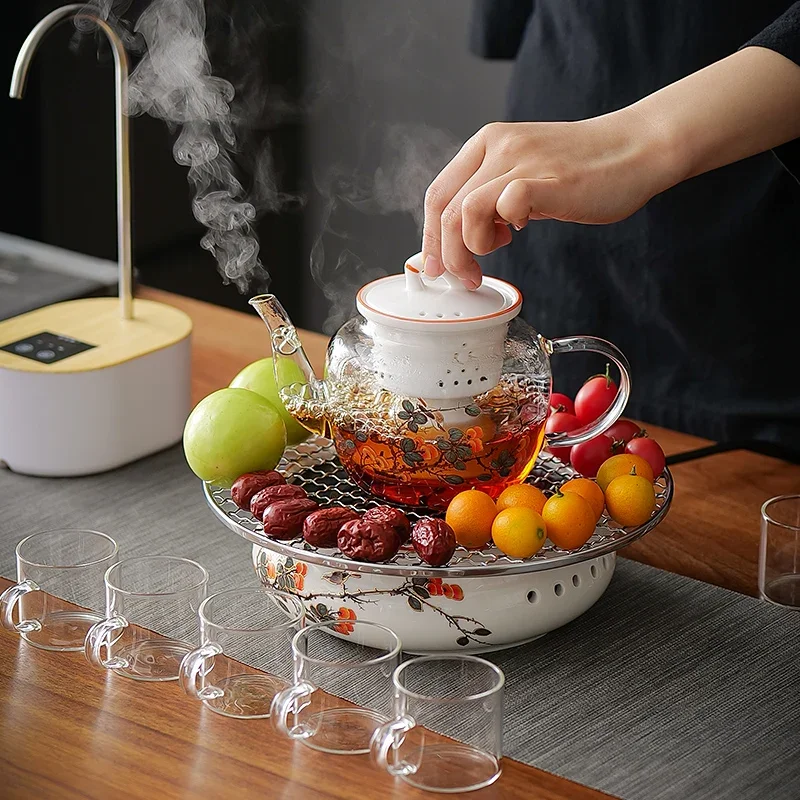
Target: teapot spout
{"points": [[302, 393]]}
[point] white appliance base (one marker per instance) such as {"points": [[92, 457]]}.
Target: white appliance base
{"points": [[80, 423]]}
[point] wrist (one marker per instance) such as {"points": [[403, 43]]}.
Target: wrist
{"points": [[659, 147]]}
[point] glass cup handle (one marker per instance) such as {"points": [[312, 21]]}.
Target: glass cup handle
{"points": [[99, 636], [591, 344], [193, 665], [290, 701], [9, 599], [390, 736]]}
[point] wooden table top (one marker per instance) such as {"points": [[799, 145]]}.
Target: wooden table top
{"points": [[68, 731]]}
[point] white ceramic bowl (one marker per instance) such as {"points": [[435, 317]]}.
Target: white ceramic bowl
{"points": [[481, 600], [439, 615]]}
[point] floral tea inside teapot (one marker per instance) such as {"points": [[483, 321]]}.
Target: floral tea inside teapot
{"points": [[432, 389]]}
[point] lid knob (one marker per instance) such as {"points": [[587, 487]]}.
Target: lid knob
{"points": [[413, 272], [428, 301]]}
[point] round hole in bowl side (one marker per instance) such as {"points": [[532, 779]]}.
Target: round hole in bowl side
{"points": [[559, 589], [533, 596]]}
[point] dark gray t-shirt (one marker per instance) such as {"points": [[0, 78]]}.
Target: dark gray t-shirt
{"points": [[701, 287]]}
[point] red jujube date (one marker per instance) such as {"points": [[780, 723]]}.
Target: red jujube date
{"points": [[434, 541], [368, 540], [284, 519], [321, 527], [266, 497], [245, 486], [394, 518]]}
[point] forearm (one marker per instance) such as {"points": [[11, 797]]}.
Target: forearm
{"points": [[744, 104], [602, 170]]}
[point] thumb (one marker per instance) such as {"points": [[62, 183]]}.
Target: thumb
{"points": [[531, 198]]}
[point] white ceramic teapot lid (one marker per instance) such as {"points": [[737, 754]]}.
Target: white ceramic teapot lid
{"points": [[410, 300]]}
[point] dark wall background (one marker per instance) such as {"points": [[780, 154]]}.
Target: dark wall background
{"points": [[352, 68], [58, 160], [378, 66]]}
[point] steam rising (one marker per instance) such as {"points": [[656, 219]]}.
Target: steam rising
{"points": [[409, 157], [174, 81]]}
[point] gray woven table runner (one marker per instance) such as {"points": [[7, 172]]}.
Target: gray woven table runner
{"points": [[667, 688]]}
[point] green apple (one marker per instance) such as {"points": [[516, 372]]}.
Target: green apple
{"points": [[230, 432], [260, 377]]}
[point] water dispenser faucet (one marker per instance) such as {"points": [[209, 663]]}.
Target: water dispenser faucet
{"points": [[17, 90]]}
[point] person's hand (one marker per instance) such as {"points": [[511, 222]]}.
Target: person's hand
{"points": [[603, 169], [593, 171]]}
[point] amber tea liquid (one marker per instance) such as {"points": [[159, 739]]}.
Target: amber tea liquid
{"points": [[403, 451]]}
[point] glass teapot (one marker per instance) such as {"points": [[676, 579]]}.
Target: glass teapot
{"points": [[432, 389]]}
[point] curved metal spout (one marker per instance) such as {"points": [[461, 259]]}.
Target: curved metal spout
{"points": [[17, 90]]}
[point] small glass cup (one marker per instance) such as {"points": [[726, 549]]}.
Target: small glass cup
{"points": [[456, 696], [59, 589], [144, 595], [342, 689], [779, 555], [239, 627]]}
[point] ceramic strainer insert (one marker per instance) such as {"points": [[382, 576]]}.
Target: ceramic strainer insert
{"points": [[434, 339]]}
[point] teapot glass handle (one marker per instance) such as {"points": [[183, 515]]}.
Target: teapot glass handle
{"points": [[591, 344]]}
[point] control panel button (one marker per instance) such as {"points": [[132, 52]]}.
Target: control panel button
{"points": [[46, 347]]}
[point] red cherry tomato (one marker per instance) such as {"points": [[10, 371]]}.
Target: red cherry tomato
{"points": [[587, 457], [650, 450], [594, 397], [623, 430], [560, 422], [560, 402]]}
